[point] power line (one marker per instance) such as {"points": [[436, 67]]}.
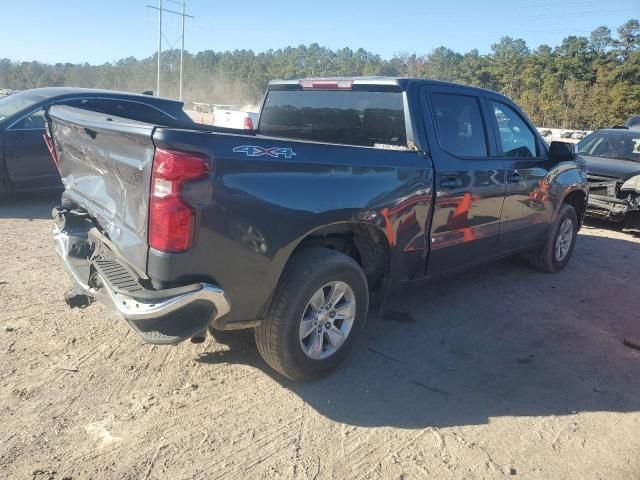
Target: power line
{"points": [[182, 14], [586, 13], [571, 4]]}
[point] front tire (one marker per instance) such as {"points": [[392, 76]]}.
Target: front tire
{"points": [[317, 313], [560, 242]]}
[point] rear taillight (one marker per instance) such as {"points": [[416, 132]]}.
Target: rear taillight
{"points": [[171, 219], [248, 123]]}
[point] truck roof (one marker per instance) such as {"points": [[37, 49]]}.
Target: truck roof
{"points": [[401, 82]]}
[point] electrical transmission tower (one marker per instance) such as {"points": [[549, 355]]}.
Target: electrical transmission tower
{"points": [[160, 35]]}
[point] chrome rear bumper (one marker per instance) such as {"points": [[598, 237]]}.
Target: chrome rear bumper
{"points": [[158, 316]]}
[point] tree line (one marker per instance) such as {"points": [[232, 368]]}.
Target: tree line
{"points": [[583, 83]]}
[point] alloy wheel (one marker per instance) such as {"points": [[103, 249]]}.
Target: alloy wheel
{"points": [[564, 239], [327, 320]]}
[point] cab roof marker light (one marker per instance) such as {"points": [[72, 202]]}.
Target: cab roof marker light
{"points": [[326, 84]]}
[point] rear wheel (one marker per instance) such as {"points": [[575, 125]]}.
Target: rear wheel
{"points": [[560, 243], [317, 313]]}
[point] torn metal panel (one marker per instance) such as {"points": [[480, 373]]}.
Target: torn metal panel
{"points": [[107, 172]]}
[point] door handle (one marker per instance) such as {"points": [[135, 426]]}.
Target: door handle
{"points": [[451, 182], [514, 178]]}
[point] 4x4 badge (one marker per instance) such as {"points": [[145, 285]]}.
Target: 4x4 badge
{"points": [[257, 151]]}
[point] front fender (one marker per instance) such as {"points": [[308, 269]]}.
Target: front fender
{"points": [[566, 178]]}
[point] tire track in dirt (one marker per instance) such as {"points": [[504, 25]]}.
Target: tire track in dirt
{"points": [[201, 408], [269, 444], [126, 377], [216, 421], [359, 470], [187, 436], [54, 374], [157, 368], [90, 352]]}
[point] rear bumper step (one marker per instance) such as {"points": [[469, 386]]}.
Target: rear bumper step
{"points": [[157, 316]]}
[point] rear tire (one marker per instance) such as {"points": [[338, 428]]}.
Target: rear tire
{"points": [[560, 242], [302, 303]]}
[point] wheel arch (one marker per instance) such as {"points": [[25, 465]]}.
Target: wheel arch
{"points": [[364, 242], [577, 198]]}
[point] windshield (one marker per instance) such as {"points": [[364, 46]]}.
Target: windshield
{"points": [[18, 102], [613, 144]]}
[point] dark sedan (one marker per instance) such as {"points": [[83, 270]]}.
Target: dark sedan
{"points": [[613, 165], [25, 163]]}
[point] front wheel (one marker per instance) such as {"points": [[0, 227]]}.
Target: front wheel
{"points": [[560, 242], [316, 315]]}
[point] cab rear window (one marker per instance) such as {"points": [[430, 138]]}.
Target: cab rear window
{"points": [[361, 118]]}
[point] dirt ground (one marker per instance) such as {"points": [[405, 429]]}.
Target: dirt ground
{"points": [[501, 372]]}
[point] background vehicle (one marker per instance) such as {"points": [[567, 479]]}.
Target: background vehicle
{"points": [[5, 92], [349, 187], [633, 122], [202, 107], [25, 163], [613, 163], [225, 116]]}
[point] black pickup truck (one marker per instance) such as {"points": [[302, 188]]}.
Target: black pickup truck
{"points": [[348, 189]]}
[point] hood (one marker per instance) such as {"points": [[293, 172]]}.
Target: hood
{"points": [[612, 167]]}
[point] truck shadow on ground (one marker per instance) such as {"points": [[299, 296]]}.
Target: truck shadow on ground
{"points": [[29, 206], [502, 340]]}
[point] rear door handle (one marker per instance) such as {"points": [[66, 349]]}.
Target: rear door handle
{"points": [[514, 178], [451, 182]]}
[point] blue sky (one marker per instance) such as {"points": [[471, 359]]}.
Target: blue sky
{"points": [[103, 31]]}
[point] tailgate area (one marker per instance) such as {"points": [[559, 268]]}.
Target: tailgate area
{"points": [[105, 163]]}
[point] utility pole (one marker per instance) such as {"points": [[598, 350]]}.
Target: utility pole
{"points": [[160, 35], [159, 45], [184, 5]]}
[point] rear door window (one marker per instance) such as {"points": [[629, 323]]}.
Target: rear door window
{"points": [[516, 138], [459, 125], [359, 118]]}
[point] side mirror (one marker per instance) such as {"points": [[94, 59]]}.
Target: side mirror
{"points": [[562, 151]]}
